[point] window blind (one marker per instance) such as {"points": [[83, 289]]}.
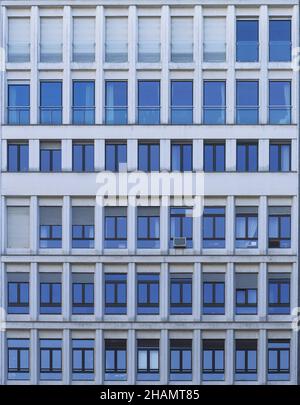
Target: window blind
{"points": [[214, 39], [51, 39], [182, 39], [116, 39], [149, 39], [18, 227]]}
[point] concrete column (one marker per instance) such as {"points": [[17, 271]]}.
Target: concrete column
{"points": [[165, 155], [196, 356], [34, 224], [263, 224], [33, 293], [3, 225], [165, 85], [230, 155], [262, 356], [4, 156], [132, 23], [67, 357], [264, 52], [230, 221], [99, 221], [132, 151], [198, 35], [131, 292], [100, 35], [295, 74], [99, 158], [67, 55], [34, 21], [198, 155], [99, 290], [131, 356], [34, 356], [230, 50], [99, 357], [164, 357], [229, 357], [66, 155], [263, 155], [262, 284], [67, 294], [294, 357], [230, 292], [163, 288], [131, 228], [197, 228], [294, 225], [294, 289], [197, 292], [34, 155], [67, 224], [164, 225]]}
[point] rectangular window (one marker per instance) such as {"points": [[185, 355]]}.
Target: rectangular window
{"points": [[182, 39], [18, 108], [116, 45], [247, 105], [18, 359], [147, 294], [148, 102], [246, 227], [214, 156], [82, 293], [83, 227], [18, 40], [83, 157], [246, 360], [50, 293], [148, 360], [17, 227], [280, 41], [180, 360], [50, 157], [116, 102], [213, 294], [83, 102], [278, 360], [280, 102], [18, 293], [279, 300], [82, 359], [246, 294], [51, 359], [213, 361], [115, 234], [50, 102], [280, 157], [50, 227], [181, 102], [148, 157], [148, 39], [51, 37], [279, 227], [181, 157], [214, 227], [18, 157], [116, 157], [83, 39], [115, 360], [181, 227], [214, 47], [247, 157], [247, 45], [115, 293], [181, 294], [148, 228], [214, 100]]}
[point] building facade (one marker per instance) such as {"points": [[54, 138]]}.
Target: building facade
{"points": [[97, 290]]}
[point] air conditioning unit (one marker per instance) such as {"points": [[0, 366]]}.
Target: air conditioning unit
{"points": [[179, 242]]}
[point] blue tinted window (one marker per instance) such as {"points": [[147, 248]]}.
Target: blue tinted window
{"points": [[279, 102], [83, 102], [181, 223], [50, 159], [214, 297], [181, 295], [246, 102], [214, 157], [182, 157], [213, 366], [148, 294], [181, 102], [279, 231], [246, 230], [82, 359], [278, 360], [50, 359], [83, 298], [280, 157], [214, 227], [18, 157], [18, 359], [116, 102], [214, 102], [18, 298], [18, 104], [246, 360], [50, 298], [115, 231], [180, 360], [116, 157], [148, 102], [50, 236], [50, 103], [148, 231], [115, 360], [247, 157], [280, 45], [83, 157], [148, 157], [115, 293], [247, 41], [279, 296]]}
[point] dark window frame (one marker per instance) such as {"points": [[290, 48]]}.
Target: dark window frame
{"points": [[19, 303], [18, 146], [115, 283], [50, 303], [279, 146], [247, 160], [51, 369]]}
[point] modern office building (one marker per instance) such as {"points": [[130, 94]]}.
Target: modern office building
{"points": [[95, 290]]}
